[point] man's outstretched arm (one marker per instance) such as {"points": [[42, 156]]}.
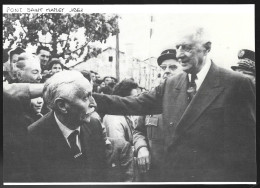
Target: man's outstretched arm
{"points": [[145, 103]]}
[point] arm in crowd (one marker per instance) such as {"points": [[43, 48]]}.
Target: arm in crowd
{"points": [[145, 103], [23, 90], [139, 134], [19, 94], [141, 145]]}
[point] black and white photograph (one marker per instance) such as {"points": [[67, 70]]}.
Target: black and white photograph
{"points": [[152, 94]]}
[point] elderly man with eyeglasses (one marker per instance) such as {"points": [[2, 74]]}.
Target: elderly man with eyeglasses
{"points": [[209, 118]]}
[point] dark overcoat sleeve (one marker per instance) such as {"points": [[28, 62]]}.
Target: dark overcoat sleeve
{"points": [[145, 103]]}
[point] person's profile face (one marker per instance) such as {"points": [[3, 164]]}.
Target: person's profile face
{"points": [[93, 77], [36, 104], [44, 56], [81, 104], [14, 61], [190, 54]]}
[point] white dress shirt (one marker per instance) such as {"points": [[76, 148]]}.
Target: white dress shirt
{"points": [[66, 132], [202, 74]]}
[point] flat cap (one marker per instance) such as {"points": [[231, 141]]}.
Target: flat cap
{"points": [[165, 55]]}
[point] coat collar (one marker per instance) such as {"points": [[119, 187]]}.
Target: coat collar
{"points": [[57, 139], [208, 91], [181, 81]]}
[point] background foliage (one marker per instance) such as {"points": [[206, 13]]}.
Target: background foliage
{"points": [[62, 29]]}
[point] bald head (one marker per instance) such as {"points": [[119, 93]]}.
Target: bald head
{"points": [[28, 68]]}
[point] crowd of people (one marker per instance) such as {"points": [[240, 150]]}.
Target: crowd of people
{"points": [[196, 125]]}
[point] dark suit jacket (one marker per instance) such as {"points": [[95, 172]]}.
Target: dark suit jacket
{"points": [[51, 159], [16, 100], [213, 139], [120, 161]]}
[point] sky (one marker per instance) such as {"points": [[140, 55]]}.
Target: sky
{"points": [[231, 28]]}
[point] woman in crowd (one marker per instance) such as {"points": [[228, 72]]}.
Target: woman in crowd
{"points": [[121, 126]]}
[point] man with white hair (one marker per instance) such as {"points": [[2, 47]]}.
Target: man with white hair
{"points": [[66, 145], [28, 68], [208, 117]]}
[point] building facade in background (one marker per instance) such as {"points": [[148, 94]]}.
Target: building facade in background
{"points": [[144, 72]]}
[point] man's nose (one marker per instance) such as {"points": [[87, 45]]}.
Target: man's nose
{"points": [[167, 69], [179, 52], [39, 101], [39, 77], [92, 103]]}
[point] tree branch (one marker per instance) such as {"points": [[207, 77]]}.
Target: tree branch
{"points": [[82, 46]]}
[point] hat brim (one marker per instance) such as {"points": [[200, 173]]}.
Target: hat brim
{"points": [[165, 57], [242, 68], [234, 67]]}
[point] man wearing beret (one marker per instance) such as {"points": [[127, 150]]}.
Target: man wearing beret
{"points": [[147, 136], [208, 116], [246, 64]]}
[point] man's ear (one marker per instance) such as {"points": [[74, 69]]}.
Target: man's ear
{"points": [[207, 46], [19, 75], [61, 105]]}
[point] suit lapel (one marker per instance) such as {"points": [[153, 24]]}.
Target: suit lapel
{"points": [[57, 140], [85, 139], [182, 82], [208, 91]]}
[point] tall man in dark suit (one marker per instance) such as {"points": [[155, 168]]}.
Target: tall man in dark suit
{"points": [[208, 117], [66, 145]]}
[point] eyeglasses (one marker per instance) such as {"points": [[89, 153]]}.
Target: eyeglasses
{"points": [[171, 67], [185, 47]]}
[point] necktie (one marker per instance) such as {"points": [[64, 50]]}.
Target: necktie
{"points": [[74, 147], [192, 87]]}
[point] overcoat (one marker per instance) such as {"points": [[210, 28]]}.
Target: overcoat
{"points": [[212, 138]]}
